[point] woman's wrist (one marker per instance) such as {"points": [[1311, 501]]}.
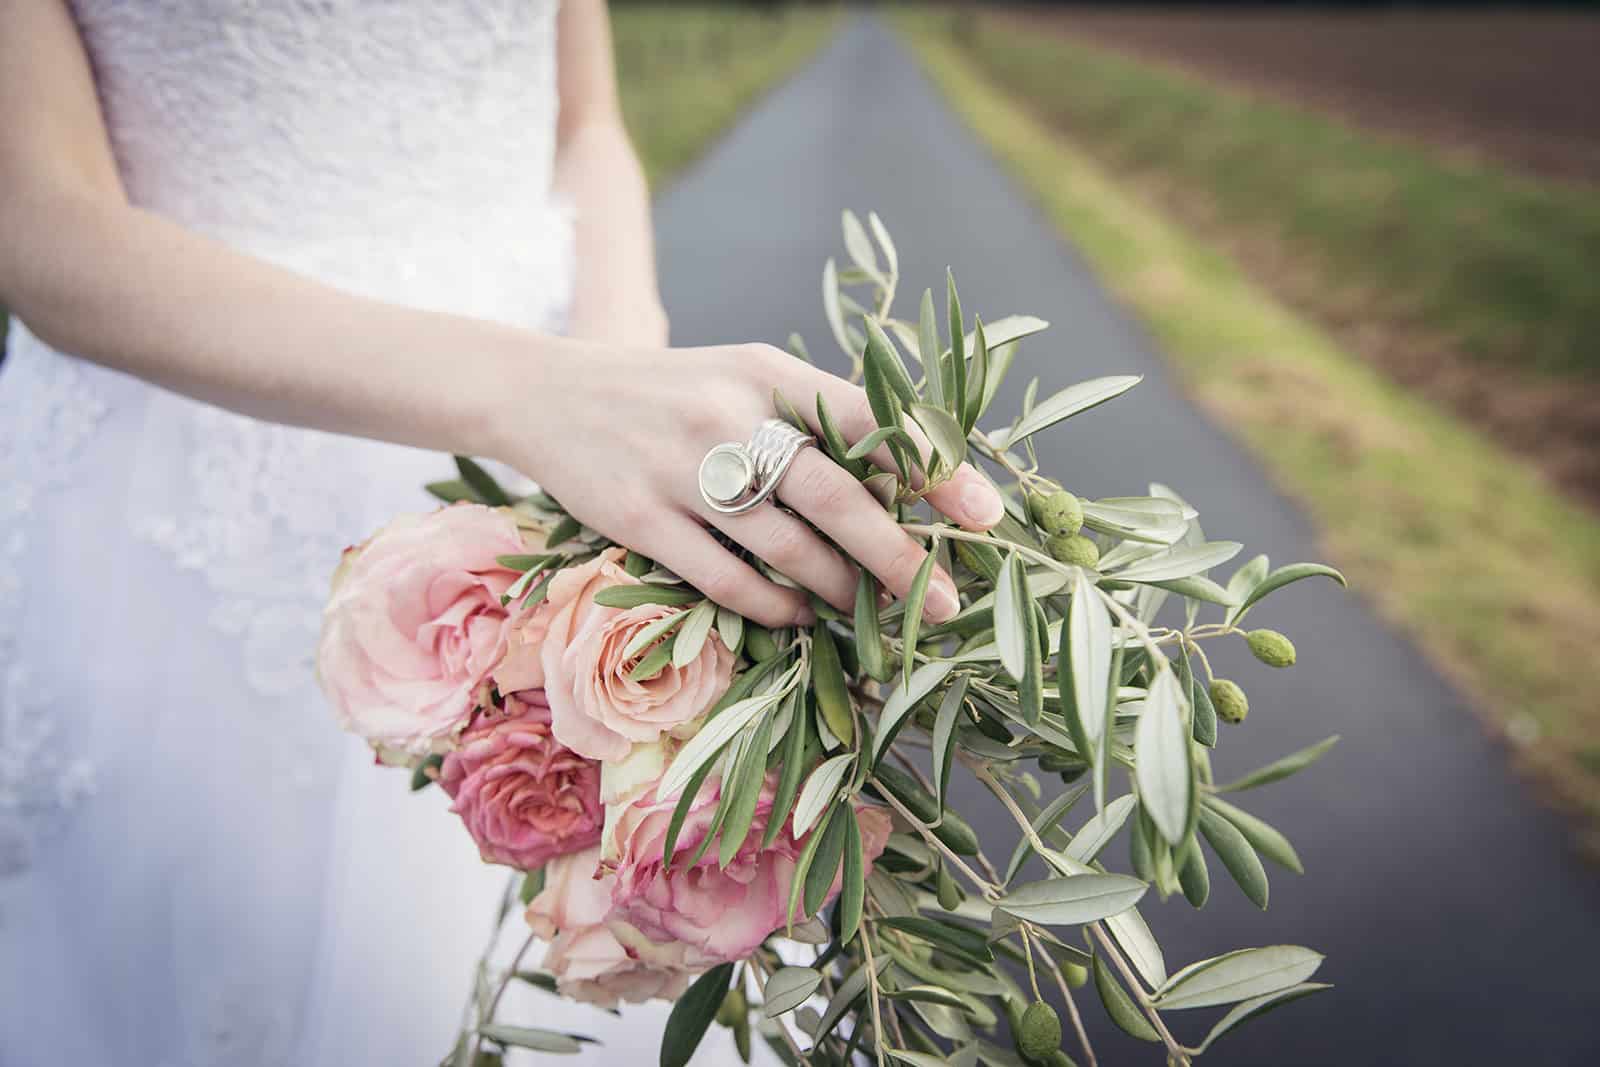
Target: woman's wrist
{"points": [[497, 415], [639, 321]]}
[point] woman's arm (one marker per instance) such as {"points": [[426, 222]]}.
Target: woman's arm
{"points": [[614, 430], [597, 172], [92, 275]]}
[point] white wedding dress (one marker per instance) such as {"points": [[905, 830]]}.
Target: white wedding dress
{"points": [[196, 868]]}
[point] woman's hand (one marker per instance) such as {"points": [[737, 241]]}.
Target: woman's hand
{"points": [[618, 434]]}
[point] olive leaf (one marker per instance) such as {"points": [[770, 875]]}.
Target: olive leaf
{"points": [[915, 600], [944, 735], [1282, 768], [852, 886], [978, 376], [482, 483], [1236, 976], [859, 246], [1068, 402], [820, 791], [744, 792], [944, 432], [1262, 837], [692, 634], [829, 686], [869, 637], [959, 391], [1237, 856], [881, 233], [787, 989], [1120, 1006], [1013, 615], [930, 352], [1089, 653], [829, 853], [904, 699], [1161, 748], [692, 1014], [1280, 578], [832, 310], [633, 596], [1073, 900], [1255, 1006], [531, 1038], [1100, 829]]}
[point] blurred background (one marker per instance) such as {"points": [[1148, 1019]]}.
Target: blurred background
{"points": [[1356, 251]]}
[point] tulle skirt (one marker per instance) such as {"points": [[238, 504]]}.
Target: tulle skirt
{"points": [[196, 867]]}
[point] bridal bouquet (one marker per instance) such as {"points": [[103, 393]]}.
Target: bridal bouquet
{"points": [[759, 823]]}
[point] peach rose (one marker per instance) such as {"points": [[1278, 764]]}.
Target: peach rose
{"points": [[595, 958], [524, 797], [522, 667], [720, 913], [596, 709], [414, 625]]}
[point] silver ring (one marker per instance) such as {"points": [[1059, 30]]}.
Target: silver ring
{"points": [[735, 478]]}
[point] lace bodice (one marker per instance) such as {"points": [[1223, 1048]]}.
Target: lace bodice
{"points": [[369, 142]]}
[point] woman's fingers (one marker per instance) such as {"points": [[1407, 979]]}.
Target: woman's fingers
{"points": [[842, 508], [792, 548], [685, 548], [967, 498]]}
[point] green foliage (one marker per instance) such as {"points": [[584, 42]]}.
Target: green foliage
{"points": [[692, 1015], [1053, 664]]}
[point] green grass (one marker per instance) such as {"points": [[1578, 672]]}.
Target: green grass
{"points": [[1492, 263], [1495, 576], [687, 70]]}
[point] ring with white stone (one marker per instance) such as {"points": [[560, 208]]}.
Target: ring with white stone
{"points": [[735, 478]]}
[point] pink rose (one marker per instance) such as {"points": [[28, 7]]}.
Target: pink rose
{"points": [[597, 710], [414, 624], [720, 913], [595, 958], [523, 666], [523, 795]]}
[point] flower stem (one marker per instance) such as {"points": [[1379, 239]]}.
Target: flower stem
{"points": [[989, 890], [872, 982]]}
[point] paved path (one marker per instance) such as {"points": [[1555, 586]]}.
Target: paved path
{"points": [[1458, 927]]}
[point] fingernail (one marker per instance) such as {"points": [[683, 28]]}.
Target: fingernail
{"points": [[942, 603], [982, 504]]}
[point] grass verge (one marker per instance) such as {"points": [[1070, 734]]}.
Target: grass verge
{"points": [[1475, 286], [687, 70], [1493, 574], [1496, 263]]}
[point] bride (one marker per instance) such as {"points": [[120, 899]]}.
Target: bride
{"points": [[295, 251]]}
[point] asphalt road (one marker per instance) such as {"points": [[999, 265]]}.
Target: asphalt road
{"points": [[1458, 927]]}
